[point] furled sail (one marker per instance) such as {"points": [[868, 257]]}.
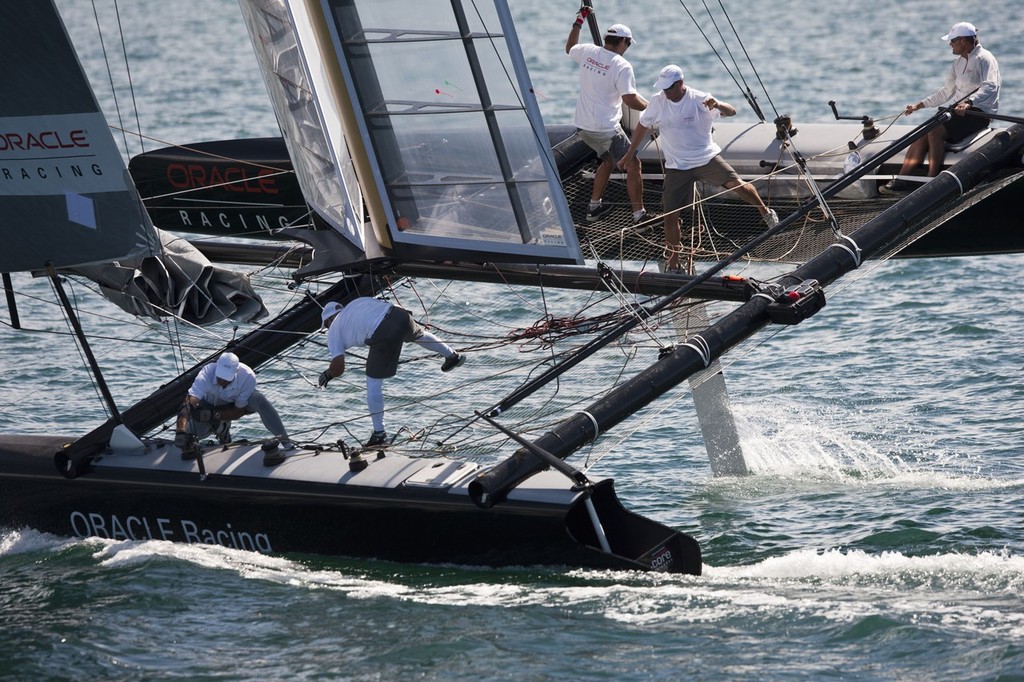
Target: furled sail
{"points": [[424, 112], [67, 199]]}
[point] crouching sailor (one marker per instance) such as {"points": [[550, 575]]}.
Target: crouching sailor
{"points": [[222, 392]]}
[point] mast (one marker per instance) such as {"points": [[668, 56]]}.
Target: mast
{"points": [[86, 348]]}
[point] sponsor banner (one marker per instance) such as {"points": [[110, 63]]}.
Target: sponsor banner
{"points": [[57, 154]]}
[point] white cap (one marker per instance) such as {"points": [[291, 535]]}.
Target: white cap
{"points": [[330, 310], [960, 30], [669, 75], [227, 366], [619, 31]]}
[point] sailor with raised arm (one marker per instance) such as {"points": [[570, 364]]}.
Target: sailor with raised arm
{"points": [[685, 116], [606, 83]]}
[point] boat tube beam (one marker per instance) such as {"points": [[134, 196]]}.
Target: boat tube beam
{"points": [[874, 237], [806, 207]]}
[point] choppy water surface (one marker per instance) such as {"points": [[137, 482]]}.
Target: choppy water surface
{"points": [[880, 536]]}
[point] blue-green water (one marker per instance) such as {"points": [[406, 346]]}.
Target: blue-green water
{"points": [[881, 535]]}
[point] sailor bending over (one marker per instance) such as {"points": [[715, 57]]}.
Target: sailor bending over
{"points": [[383, 328], [222, 392]]}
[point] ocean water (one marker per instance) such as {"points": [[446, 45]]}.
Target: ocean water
{"points": [[880, 535]]}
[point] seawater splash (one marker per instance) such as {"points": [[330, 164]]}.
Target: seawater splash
{"points": [[782, 441]]}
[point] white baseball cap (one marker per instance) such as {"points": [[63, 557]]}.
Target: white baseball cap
{"points": [[670, 75], [227, 366], [960, 30], [619, 31], [329, 311]]}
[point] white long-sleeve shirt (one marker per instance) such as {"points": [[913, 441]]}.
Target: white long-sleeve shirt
{"points": [[237, 392], [978, 69]]}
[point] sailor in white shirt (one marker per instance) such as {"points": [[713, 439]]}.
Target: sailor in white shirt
{"points": [[973, 81], [222, 392], [383, 328], [685, 116], [606, 83]]}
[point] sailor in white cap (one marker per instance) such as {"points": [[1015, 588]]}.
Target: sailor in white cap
{"points": [[383, 328], [222, 392], [686, 116], [973, 82], [606, 83]]}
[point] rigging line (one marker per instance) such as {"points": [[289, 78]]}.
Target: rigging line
{"points": [[73, 301], [746, 96], [749, 61], [110, 74], [739, 71], [201, 152], [128, 71]]}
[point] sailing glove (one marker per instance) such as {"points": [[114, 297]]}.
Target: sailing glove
{"points": [[581, 16], [325, 377]]}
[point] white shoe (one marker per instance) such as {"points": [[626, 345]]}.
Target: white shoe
{"points": [[771, 218]]}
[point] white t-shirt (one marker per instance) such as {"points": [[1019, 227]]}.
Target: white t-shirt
{"points": [[238, 391], [685, 127], [355, 323], [604, 78]]}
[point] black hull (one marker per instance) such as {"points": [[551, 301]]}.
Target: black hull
{"points": [[269, 513], [255, 194]]}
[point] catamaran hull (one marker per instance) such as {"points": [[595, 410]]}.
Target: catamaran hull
{"points": [[259, 509]]}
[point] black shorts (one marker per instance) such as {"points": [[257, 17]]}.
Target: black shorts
{"points": [[677, 190], [960, 127], [385, 343]]}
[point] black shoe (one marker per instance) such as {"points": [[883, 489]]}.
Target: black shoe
{"points": [[377, 438], [895, 187], [595, 214], [453, 362], [188, 444], [190, 449]]}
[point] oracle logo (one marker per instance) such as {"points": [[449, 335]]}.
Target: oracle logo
{"points": [[43, 139], [184, 176]]}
